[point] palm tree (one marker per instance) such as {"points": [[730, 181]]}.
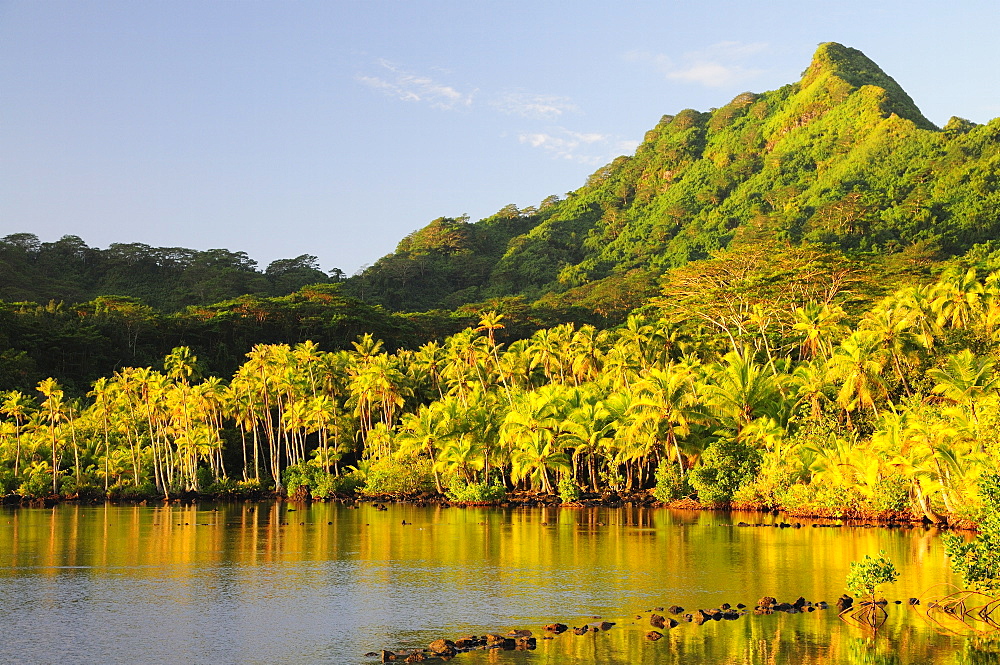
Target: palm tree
{"points": [[857, 363], [181, 365], [425, 431], [892, 324], [666, 408], [102, 407], [738, 390], [491, 322], [17, 405], [532, 427], [956, 299], [965, 379], [818, 325], [586, 351], [588, 429], [53, 410]]}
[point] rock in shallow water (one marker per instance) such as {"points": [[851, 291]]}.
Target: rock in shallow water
{"points": [[442, 647]]}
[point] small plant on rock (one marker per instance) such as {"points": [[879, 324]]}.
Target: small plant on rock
{"points": [[864, 579], [868, 574]]}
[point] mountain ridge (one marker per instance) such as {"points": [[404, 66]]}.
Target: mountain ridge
{"points": [[843, 158]]}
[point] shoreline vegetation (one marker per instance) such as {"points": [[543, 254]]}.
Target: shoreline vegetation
{"points": [[784, 403]]}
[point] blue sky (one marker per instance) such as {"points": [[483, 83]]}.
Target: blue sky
{"points": [[335, 128]]}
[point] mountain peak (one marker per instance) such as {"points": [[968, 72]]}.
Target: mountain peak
{"points": [[857, 69]]}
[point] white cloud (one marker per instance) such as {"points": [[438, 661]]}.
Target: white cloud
{"points": [[718, 65], [627, 147], [583, 147], [528, 105], [410, 87]]}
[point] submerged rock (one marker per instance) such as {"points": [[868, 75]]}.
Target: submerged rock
{"points": [[653, 635], [442, 647]]}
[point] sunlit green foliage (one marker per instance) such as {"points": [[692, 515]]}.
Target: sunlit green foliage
{"points": [[481, 492], [977, 561], [867, 575]]}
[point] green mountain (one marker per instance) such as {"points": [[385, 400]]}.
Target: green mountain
{"points": [[842, 158]]}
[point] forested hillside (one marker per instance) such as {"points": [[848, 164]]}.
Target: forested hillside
{"points": [[842, 158], [166, 278]]}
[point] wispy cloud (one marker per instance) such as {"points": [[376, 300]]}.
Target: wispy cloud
{"points": [[583, 147], [558, 142], [528, 105], [718, 65], [410, 87]]}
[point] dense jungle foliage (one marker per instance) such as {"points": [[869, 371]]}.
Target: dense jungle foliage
{"points": [[797, 398]]}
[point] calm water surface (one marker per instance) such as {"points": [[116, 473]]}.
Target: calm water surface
{"points": [[326, 584]]}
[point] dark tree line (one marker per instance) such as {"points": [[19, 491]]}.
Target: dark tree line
{"points": [[166, 278]]}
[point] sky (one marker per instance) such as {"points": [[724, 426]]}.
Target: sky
{"points": [[336, 127]]}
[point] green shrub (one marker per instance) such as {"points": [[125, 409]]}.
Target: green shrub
{"points": [[297, 475], [820, 499], [328, 485], [892, 493], [725, 466], [205, 478], [318, 482], [569, 491], [8, 481], [222, 487], [978, 561], [771, 483], [612, 478], [125, 490], [391, 475], [670, 483], [462, 492], [37, 482]]}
